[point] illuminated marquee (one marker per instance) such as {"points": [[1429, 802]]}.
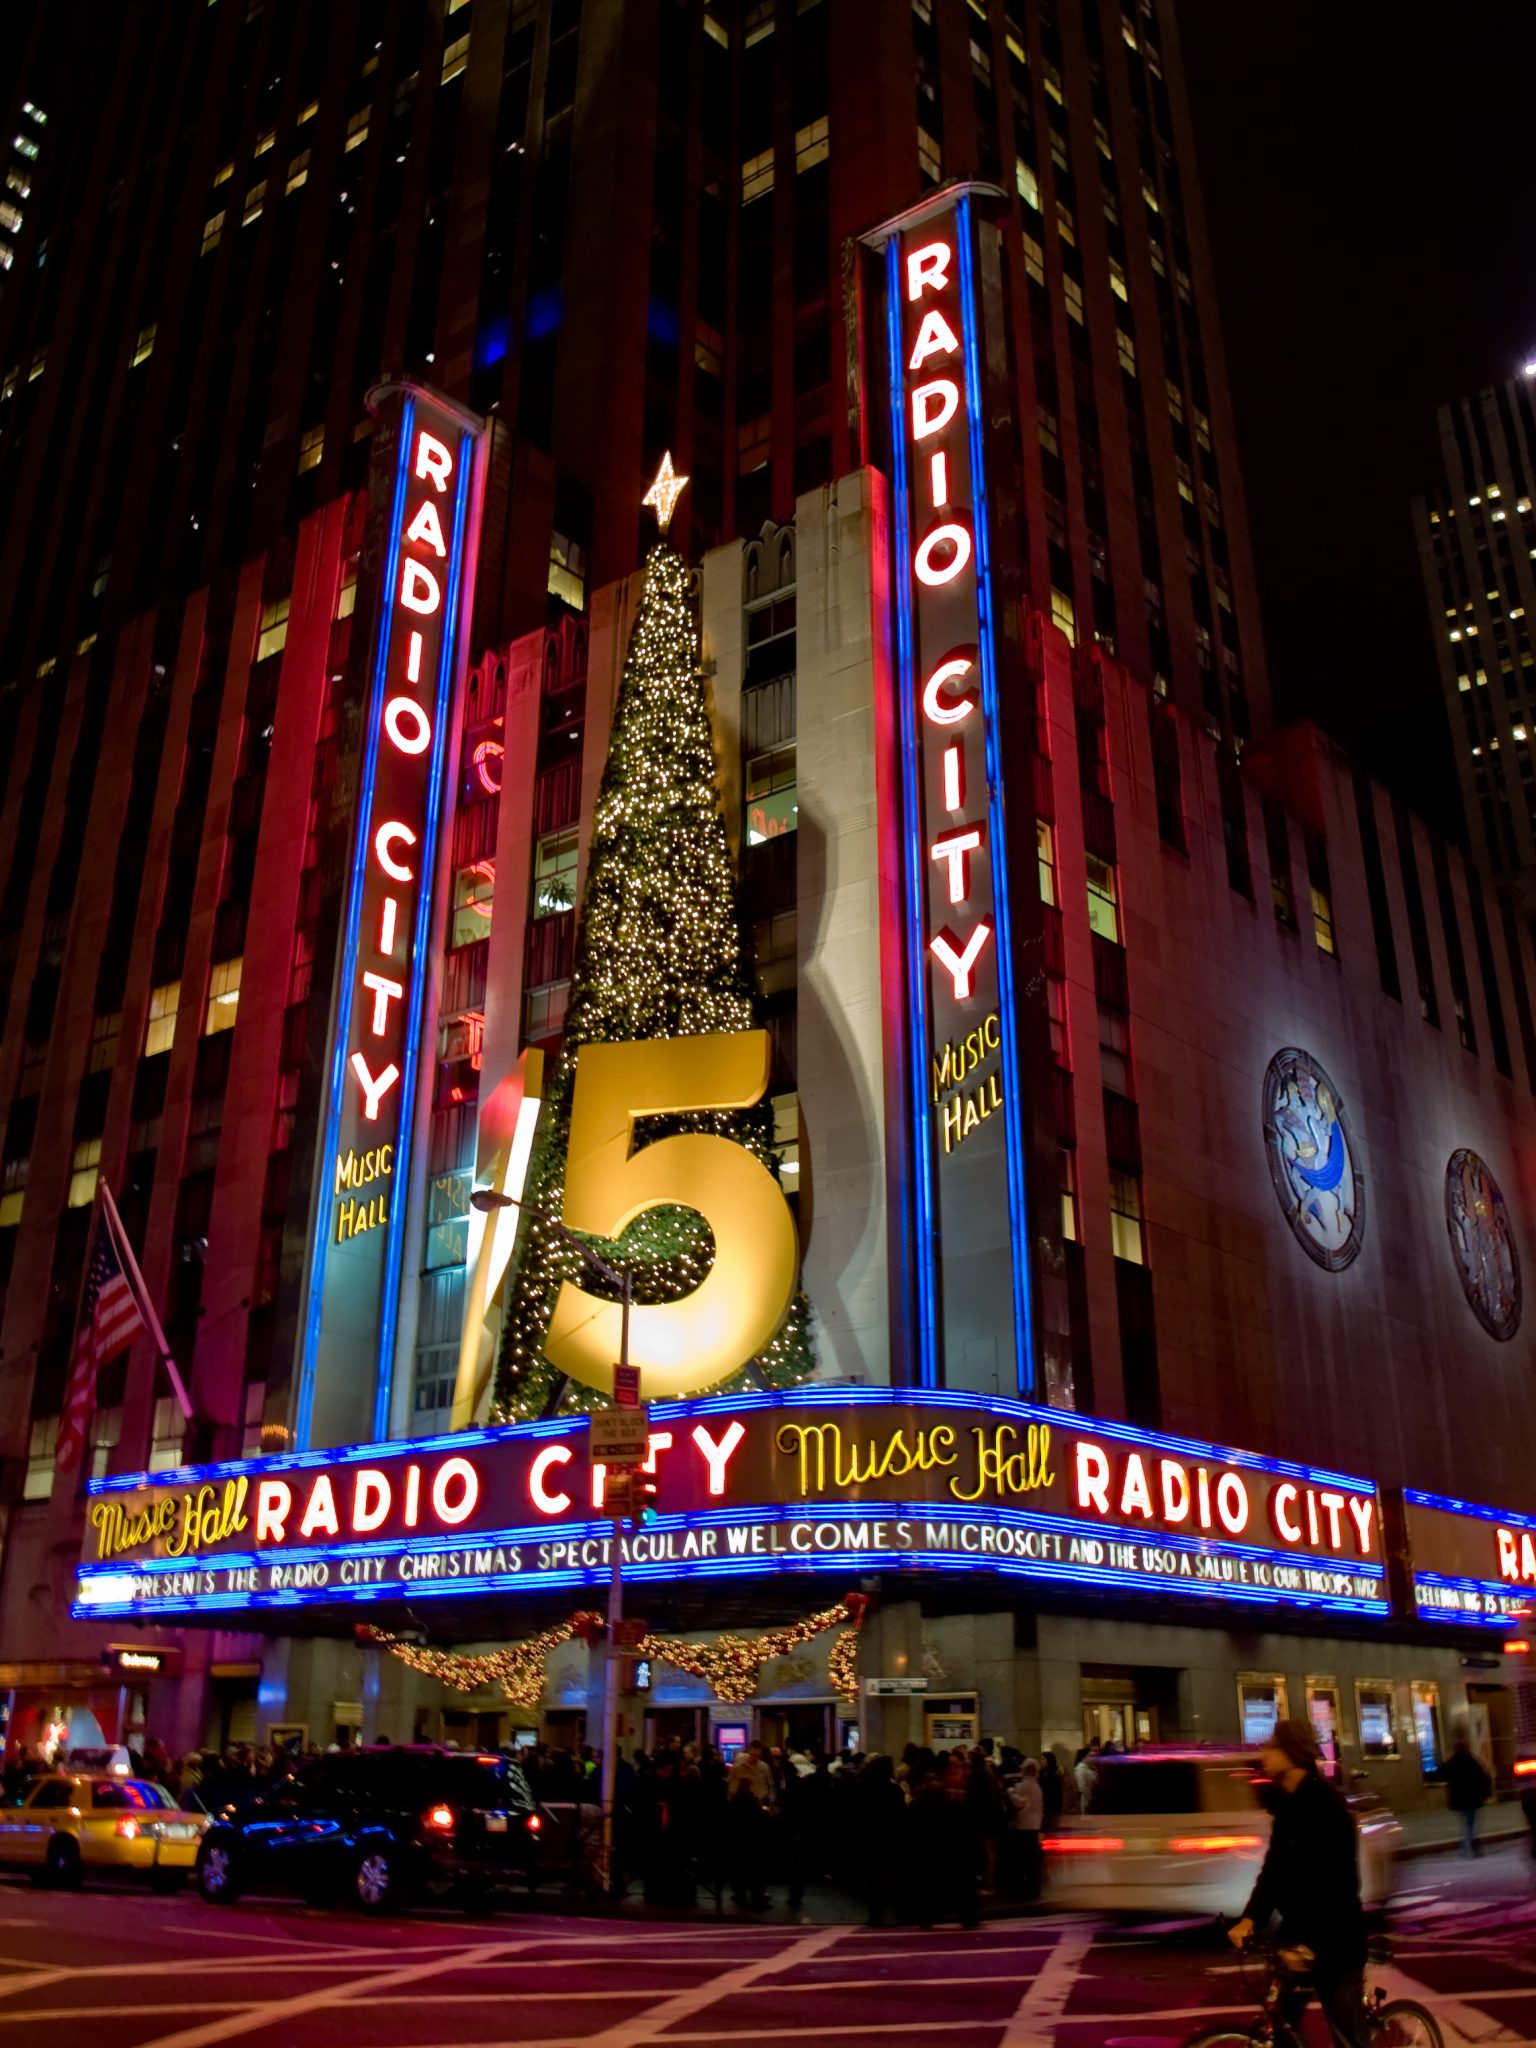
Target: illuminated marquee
{"points": [[429, 504], [1470, 1564], [836, 1479], [969, 1272]]}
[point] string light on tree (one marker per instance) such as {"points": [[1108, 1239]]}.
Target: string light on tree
{"points": [[660, 954]]}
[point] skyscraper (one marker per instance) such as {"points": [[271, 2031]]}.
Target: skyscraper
{"points": [[1476, 534]]}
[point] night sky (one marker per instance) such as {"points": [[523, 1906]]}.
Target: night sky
{"points": [[1370, 187]]}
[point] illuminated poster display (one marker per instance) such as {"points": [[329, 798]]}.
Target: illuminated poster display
{"points": [[841, 1479], [1470, 1564], [964, 1115], [426, 548]]}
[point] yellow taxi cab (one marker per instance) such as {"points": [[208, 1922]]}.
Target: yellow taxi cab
{"points": [[102, 1824]]}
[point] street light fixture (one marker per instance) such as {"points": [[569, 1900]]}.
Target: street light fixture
{"points": [[488, 1201]]}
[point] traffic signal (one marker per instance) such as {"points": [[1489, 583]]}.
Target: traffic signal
{"points": [[645, 1509]]}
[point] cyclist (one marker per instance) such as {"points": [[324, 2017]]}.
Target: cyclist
{"points": [[1311, 1879]]}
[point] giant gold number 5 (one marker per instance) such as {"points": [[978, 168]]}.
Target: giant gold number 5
{"points": [[685, 1346]]}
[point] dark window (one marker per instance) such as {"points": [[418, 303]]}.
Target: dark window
{"points": [[1413, 897], [1376, 887], [1461, 994]]}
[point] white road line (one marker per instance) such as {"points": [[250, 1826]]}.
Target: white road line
{"points": [[1033, 2024], [682, 2005], [1464, 2019], [275, 2011]]}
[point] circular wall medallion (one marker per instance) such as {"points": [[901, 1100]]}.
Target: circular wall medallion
{"points": [[1312, 1158], [1482, 1244]]}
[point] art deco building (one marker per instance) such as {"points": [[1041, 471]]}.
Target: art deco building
{"points": [[608, 230]]}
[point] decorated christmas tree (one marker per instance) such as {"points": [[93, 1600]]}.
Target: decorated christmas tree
{"points": [[660, 954]]}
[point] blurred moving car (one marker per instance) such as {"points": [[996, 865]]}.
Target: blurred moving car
{"points": [[1184, 1831], [380, 1827], [101, 1824]]}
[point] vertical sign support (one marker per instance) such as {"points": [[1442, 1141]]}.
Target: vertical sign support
{"points": [[422, 608], [968, 1185]]}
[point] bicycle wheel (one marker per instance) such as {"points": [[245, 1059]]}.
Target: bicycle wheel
{"points": [[1402, 2024], [1225, 2037]]}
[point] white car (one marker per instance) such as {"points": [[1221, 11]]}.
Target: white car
{"points": [[1183, 1832]]}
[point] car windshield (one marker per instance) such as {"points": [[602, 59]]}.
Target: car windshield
{"points": [[1132, 1785], [132, 1793]]}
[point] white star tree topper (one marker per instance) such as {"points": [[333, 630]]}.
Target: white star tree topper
{"points": [[664, 493]]}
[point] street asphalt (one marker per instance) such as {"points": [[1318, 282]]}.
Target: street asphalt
{"points": [[122, 1969]]}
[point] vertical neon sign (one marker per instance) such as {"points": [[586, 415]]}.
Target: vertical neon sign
{"points": [[965, 1115], [360, 1202]]}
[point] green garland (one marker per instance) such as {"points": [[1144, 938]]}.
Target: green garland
{"points": [[660, 954]]}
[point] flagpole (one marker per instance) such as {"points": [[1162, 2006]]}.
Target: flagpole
{"points": [[74, 1338], [135, 1281]]}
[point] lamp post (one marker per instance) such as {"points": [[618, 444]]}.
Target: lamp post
{"points": [[487, 1201]]}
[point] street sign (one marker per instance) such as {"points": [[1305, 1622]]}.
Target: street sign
{"points": [[626, 1385], [629, 1633], [619, 1436], [894, 1688]]}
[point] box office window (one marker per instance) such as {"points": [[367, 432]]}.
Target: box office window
{"points": [[1323, 1718], [1260, 1704], [1373, 1708], [1428, 1737]]}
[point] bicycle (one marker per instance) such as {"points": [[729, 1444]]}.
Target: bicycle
{"points": [[1388, 2022]]}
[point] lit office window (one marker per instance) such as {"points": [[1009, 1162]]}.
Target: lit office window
{"points": [[165, 1447], [272, 635], [1103, 902], [85, 1170], [223, 996], [1125, 1216], [163, 1005], [42, 1450]]}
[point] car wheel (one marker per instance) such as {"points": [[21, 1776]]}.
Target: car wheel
{"points": [[217, 1878], [376, 1882], [63, 1864]]}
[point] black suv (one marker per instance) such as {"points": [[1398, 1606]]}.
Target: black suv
{"points": [[381, 1827]]}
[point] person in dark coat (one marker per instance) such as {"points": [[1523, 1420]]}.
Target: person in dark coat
{"points": [[880, 1824], [1053, 1788], [1467, 1787], [1310, 1879]]}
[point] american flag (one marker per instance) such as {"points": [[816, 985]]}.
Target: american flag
{"points": [[110, 1319]]}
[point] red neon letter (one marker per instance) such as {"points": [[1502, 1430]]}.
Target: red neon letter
{"points": [[273, 1500], [386, 837], [928, 269], [960, 963], [717, 1455], [418, 588], [938, 479], [1232, 1502], [1092, 1478], [413, 658], [922, 562], [383, 990], [957, 848], [426, 530], [387, 925], [1362, 1509], [408, 725], [1175, 1491], [954, 778], [1281, 1503], [320, 1509], [374, 1088], [485, 753], [934, 338], [934, 707], [433, 460], [1135, 1494], [370, 1500], [546, 1502], [468, 1479], [933, 406]]}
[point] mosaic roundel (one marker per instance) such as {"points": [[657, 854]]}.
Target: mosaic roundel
{"points": [[1312, 1159], [1482, 1244]]}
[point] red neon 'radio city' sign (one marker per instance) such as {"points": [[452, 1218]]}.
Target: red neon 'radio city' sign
{"points": [[423, 522]]}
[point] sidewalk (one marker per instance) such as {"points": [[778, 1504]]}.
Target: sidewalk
{"points": [[1432, 1832]]}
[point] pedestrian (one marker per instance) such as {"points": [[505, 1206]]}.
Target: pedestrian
{"points": [[1086, 1773], [944, 1847], [749, 1793], [1525, 1770], [1053, 1788], [1310, 1879], [880, 1822], [1028, 1802], [987, 1814], [1467, 1787]]}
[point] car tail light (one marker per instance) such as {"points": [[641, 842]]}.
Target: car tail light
{"points": [[535, 1823], [128, 1829], [440, 1817], [1070, 1845], [1204, 1845], [1526, 1767]]}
